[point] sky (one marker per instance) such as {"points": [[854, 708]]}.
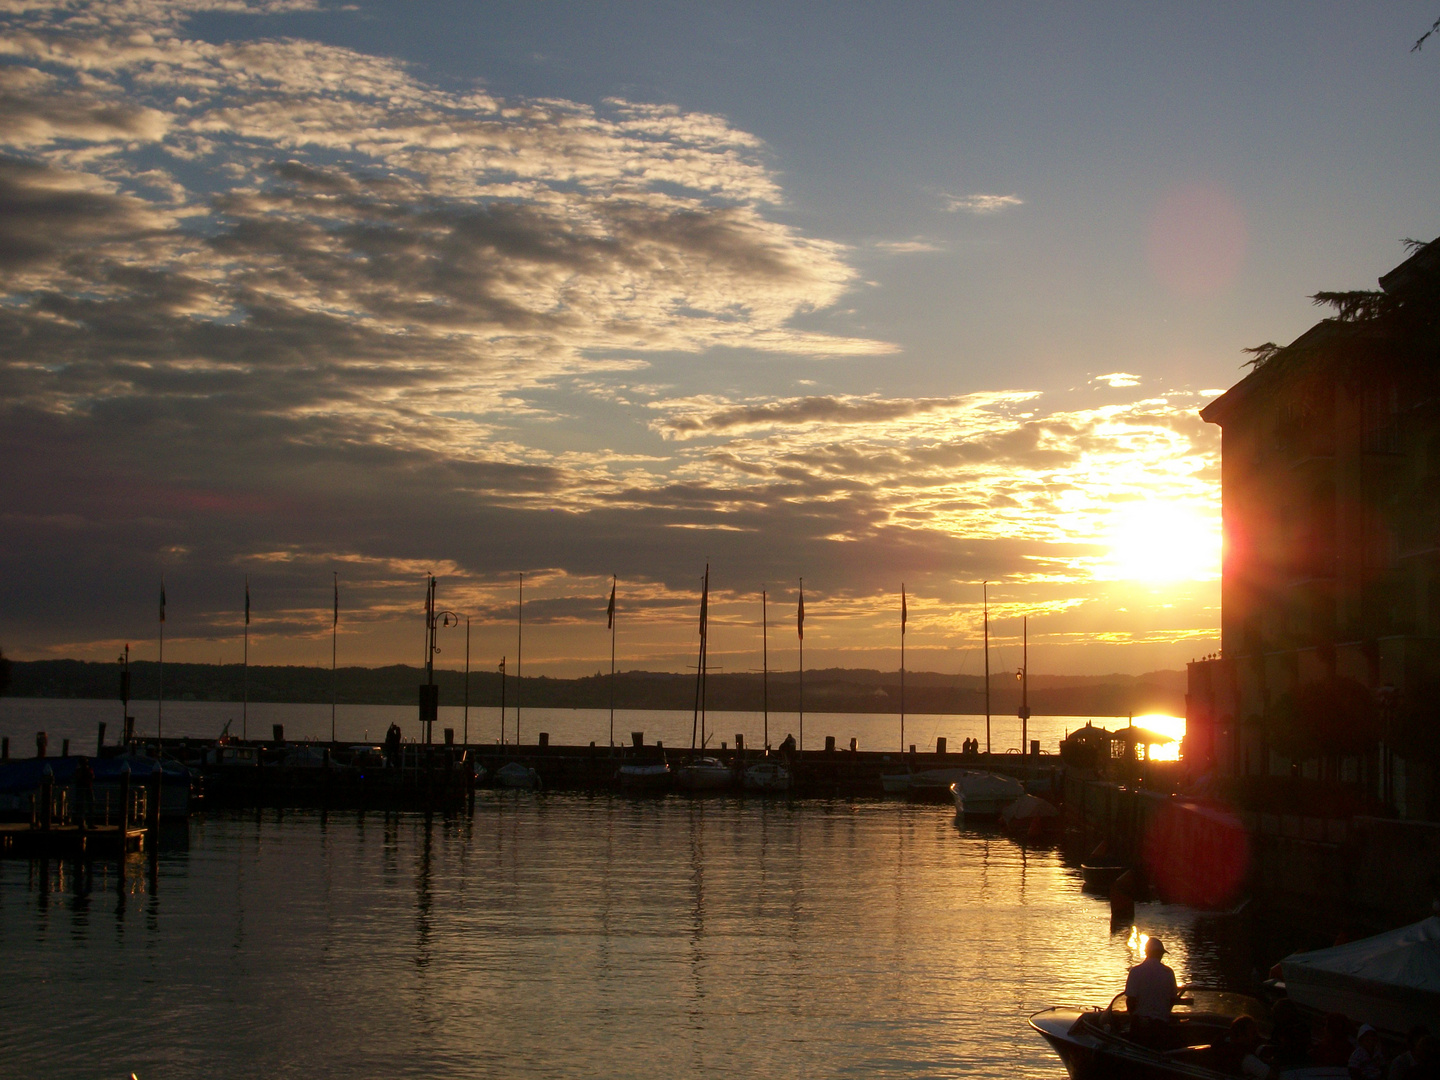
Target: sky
{"points": [[878, 296]]}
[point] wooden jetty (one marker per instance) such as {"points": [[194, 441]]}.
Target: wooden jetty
{"points": [[23, 840]]}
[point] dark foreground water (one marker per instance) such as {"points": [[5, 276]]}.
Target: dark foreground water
{"points": [[565, 936]]}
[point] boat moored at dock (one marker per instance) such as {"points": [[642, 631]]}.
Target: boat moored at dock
{"points": [[984, 794], [642, 777], [766, 777], [704, 774], [1100, 1043]]}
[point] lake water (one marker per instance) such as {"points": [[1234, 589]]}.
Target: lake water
{"points": [[76, 720], [560, 935]]}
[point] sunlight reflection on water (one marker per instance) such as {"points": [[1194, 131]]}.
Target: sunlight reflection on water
{"points": [[565, 935]]}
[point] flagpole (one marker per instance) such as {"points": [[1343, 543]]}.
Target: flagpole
{"points": [[160, 701], [1024, 687], [334, 652], [519, 642], [466, 730], [700, 658], [902, 667], [800, 628], [985, 599], [245, 671], [614, 582], [765, 668]]}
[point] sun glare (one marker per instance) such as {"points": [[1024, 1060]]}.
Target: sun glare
{"points": [[1163, 541], [1174, 726]]}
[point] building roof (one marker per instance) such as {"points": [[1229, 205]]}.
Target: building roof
{"points": [[1362, 318]]}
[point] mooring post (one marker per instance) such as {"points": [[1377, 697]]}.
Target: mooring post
{"points": [[84, 792], [64, 747], [152, 802], [124, 806], [100, 739], [47, 796], [42, 743], [5, 748]]}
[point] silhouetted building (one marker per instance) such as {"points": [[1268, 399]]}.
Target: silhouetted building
{"points": [[1330, 591]]}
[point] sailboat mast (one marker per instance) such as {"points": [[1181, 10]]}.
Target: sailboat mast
{"points": [[765, 669]]}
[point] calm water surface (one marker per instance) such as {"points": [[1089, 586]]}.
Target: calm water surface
{"points": [[565, 936], [76, 720]]}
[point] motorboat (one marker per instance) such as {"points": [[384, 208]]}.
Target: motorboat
{"points": [[515, 775], [645, 776], [984, 794], [1098, 1043], [766, 776], [704, 774], [1390, 981], [929, 785]]}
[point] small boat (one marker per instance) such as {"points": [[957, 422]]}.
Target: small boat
{"points": [[1097, 1044], [652, 776], [516, 775], [1030, 816], [766, 776], [896, 783], [931, 785], [984, 794], [1390, 981], [704, 774], [1099, 877]]}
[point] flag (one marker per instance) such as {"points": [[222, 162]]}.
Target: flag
{"points": [[705, 603], [162, 599], [800, 615], [336, 621], [903, 613], [247, 601], [610, 608]]}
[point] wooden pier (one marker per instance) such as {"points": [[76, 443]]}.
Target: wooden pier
{"points": [[22, 840]]}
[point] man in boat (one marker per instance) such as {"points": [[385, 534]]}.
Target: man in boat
{"points": [[1150, 993]]}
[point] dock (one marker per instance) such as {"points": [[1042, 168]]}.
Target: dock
{"points": [[22, 840]]}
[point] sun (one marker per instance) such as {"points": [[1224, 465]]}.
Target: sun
{"points": [[1159, 541]]}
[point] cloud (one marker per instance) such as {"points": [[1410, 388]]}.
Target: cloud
{"points": [[908, 247], [276, 306], [980, 204], [1117, 379]]}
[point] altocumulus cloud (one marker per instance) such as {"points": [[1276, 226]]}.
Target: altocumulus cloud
{"points": [[270, 276], [274, 306]]}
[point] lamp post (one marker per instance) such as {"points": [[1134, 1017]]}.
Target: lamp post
{"points": [[429, 696]]}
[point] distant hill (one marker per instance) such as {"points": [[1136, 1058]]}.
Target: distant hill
{"points": [[826, 690]]}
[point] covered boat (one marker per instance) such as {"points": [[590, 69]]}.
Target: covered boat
{"points": [[638, 776], [984, 794], [704, 774], [1390, 981], [1031, 816], [1097, 1044], [20, 782], [766, 776], [514, 774]]}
